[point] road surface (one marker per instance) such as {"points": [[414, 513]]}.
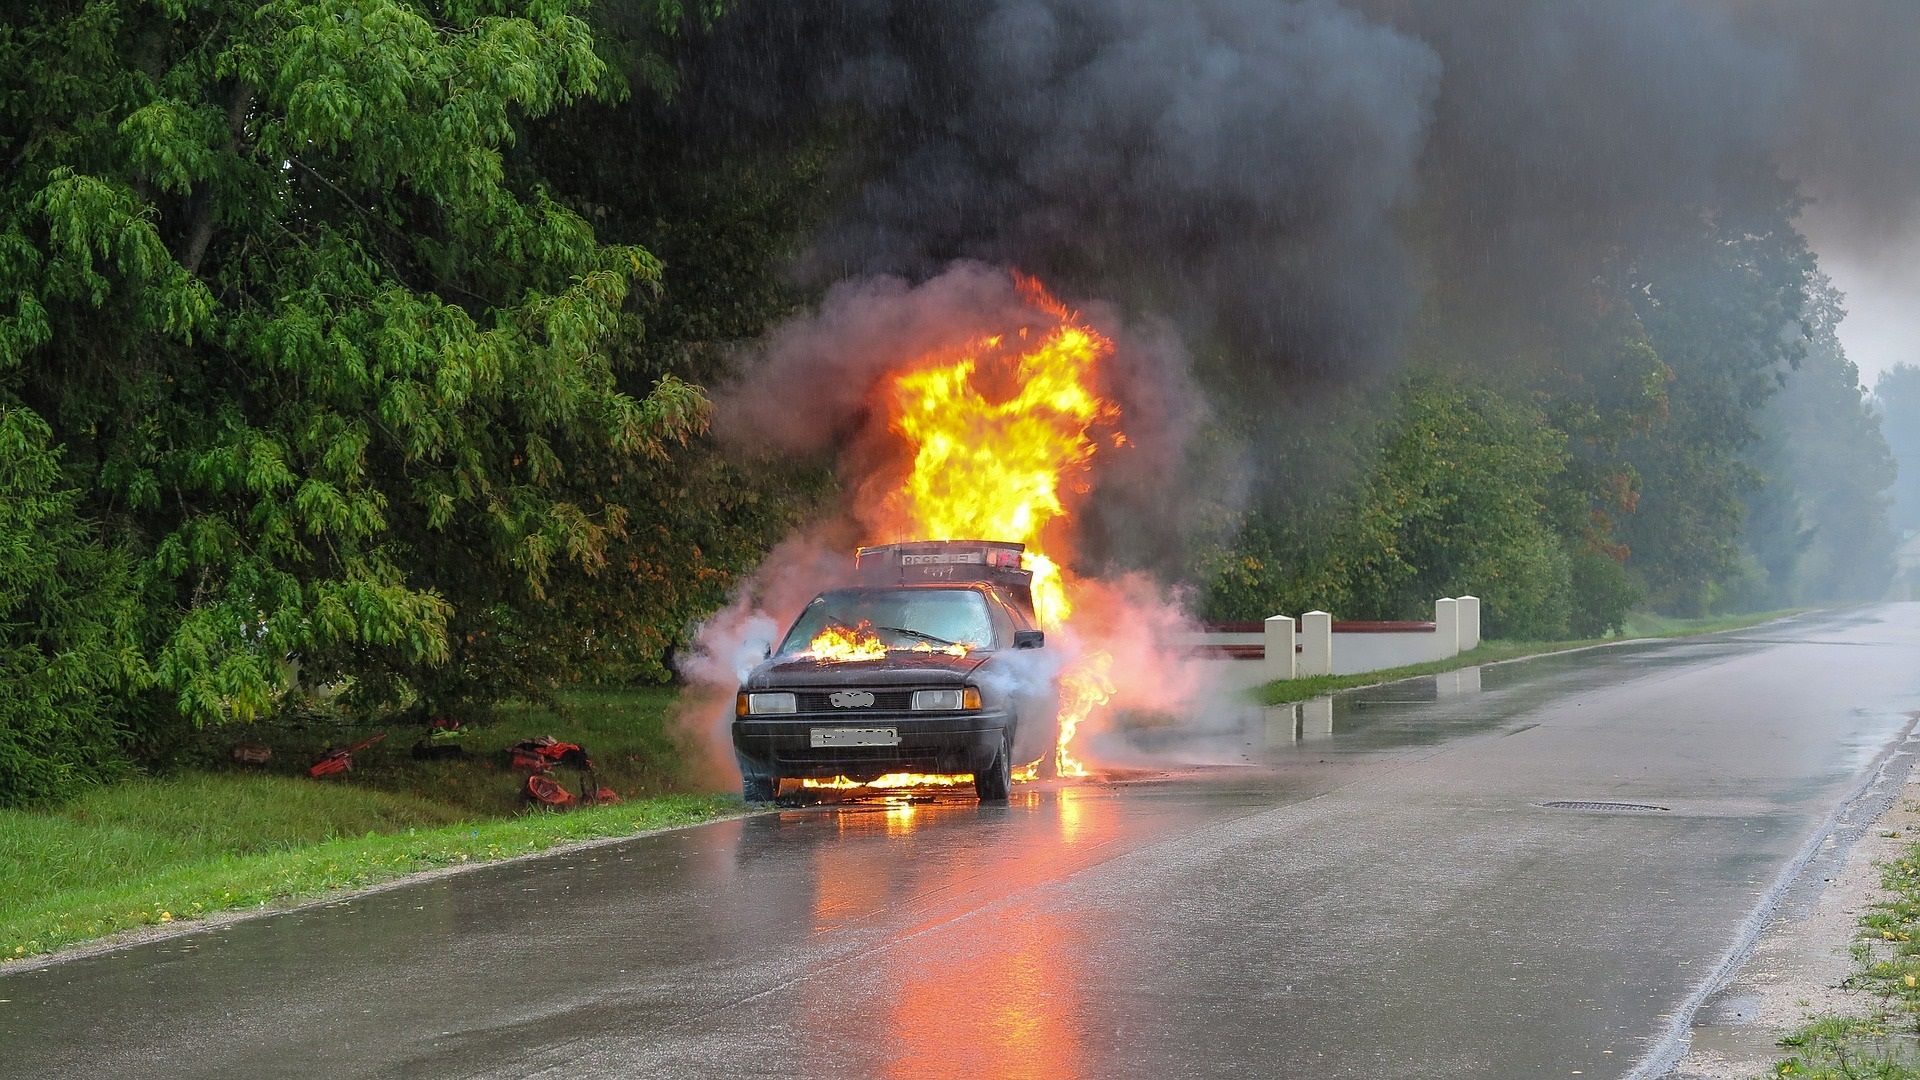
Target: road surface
{"points": [[1367, 887]]}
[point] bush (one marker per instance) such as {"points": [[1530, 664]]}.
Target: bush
{"points": [[66, 619], [1603, 592], [1524, 586]]}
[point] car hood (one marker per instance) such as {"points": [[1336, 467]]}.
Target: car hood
{"points": [[900, 668]]}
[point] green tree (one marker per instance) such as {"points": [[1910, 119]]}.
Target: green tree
{"points": [[326, 356], [67, 623], [1456, 501], [1719, 307], [1817, 525]]}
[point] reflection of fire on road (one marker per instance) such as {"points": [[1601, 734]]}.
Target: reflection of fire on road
{"points": [[1015, 1006]]}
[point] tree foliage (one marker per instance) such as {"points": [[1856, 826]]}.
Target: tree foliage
{"points": [[322, 350], [1456, 501], [1897, 395], [1818, 528], [1719, 307], [1713, 450], [67, 624]]}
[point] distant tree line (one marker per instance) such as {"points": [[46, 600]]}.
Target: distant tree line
{"points": [[1698, 442]]}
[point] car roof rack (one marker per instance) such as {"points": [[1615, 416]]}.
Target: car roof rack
{"points": [[936, 562]]}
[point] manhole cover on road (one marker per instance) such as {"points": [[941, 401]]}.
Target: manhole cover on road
{"points": [[1608, 807]]}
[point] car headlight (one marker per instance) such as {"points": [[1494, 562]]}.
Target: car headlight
{"points": [[959, 699], [761, 704]]}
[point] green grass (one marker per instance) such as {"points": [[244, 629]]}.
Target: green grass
{"points": [[1886, 1043], [1282, 691], [628, 732], [161, 850]]}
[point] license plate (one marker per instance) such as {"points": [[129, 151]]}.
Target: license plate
{"points": [[856, 736]]}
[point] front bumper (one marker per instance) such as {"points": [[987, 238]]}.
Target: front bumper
{"points": [[949, 743]]}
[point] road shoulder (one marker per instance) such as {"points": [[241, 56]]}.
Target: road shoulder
{"points": [[1803, 967]]}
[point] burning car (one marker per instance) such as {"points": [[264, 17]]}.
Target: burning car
{"points": [[924, 666]]}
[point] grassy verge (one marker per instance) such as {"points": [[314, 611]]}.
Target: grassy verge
{"points": [[1886, 1043], [1282, 691], [157, 851]]}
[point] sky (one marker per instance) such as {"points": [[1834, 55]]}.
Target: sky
{"points": [[1882, 285]]}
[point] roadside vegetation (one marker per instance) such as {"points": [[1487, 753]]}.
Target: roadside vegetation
{"points": [[210, 838], [1885, 1043], [1638, 625]]}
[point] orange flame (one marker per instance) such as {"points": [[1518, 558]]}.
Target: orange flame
{"points": [[1082, 690], [893, 780], [844, 645], [958, 648], [1003, 432]]}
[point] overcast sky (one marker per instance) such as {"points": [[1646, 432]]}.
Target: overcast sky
{"points": [[1881, 278]]}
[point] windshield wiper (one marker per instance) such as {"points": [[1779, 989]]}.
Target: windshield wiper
{"points": [[921, 634]]}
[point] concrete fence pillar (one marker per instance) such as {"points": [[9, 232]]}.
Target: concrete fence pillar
{"points": [[1446, 629], [1469, 622], [1279, 642], [1316, 643]]}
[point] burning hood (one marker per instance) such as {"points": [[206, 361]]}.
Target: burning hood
{"points": [[900, 668]]}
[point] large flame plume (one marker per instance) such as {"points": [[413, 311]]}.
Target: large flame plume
{"points": [[1003, 432]]}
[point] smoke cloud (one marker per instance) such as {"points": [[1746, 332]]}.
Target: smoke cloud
{"points": [[1286, 181], [1201, 160]]}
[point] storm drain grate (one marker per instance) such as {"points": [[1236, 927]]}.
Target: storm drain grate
{"points": [[1607, 807]]}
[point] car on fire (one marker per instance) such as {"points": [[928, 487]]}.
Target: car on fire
{"points": [[930, 663]]}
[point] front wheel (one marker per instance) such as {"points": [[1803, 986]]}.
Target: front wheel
{"points": [[757, 786], [995, 782]]}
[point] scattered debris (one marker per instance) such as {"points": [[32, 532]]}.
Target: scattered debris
{"points": [[340, 759], [443, 739], [543, 753], [540, 755], [546, 791], [252, 753]]}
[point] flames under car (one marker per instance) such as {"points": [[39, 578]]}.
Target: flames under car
{"points": [[925, 667]]}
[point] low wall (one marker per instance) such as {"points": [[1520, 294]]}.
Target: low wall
{"points": [[1251, 653], [1376, 646]]}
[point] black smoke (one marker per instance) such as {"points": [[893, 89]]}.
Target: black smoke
{"points": [[1234, 166], [1289, 180]]}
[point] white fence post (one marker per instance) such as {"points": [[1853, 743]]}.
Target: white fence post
{"points": [[1469, 622], [1279, 642], [1316, 643], [1446, 627]]}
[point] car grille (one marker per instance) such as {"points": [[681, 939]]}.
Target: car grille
{"points": [[819, 701]]}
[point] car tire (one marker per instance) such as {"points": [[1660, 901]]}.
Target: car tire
{"points": [[994, 784], [757, 786]]}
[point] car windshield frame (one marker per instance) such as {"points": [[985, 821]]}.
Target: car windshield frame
{"points": [[857, 608]]}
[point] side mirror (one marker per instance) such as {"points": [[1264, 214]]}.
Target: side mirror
{"points": [[1029, 639]]}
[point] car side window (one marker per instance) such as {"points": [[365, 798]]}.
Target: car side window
{"points": [[1002, 624]]}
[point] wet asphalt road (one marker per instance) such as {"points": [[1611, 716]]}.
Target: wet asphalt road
{"points": [[1371, 890]]}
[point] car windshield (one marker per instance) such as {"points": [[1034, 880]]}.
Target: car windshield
{"points": [[900, 618]]}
